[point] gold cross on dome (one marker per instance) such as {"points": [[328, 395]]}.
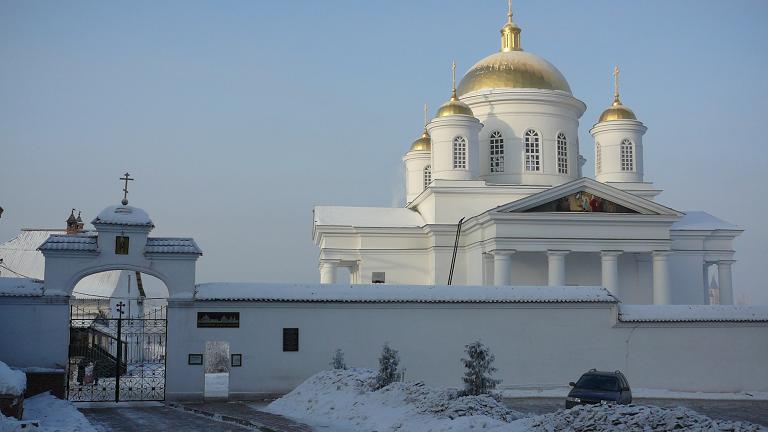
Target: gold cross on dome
{"points": [[616, 82], [126, 179]]}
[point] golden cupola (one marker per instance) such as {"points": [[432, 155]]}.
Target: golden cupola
{"points": [[424, 142], [617, 110], [454, 106], [512, 67]]}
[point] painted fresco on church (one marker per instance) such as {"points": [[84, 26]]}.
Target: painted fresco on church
{"points": [[582, 202]]}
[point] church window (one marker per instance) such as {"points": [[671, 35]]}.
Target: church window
{"points": [[562, 154], [497, 152], [627, 155], [427, 175], [121, 245], [290, 339], [598, 158], [532, 150], [378, 277], [460, 153]]}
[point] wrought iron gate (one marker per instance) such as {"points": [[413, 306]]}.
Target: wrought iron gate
{"points": [[116, 359]]}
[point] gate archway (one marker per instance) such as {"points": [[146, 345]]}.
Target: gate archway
{"points": [[116, 349]]}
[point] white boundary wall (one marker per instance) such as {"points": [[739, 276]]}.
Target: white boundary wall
{"points": [[536, 344], [34, 331]]}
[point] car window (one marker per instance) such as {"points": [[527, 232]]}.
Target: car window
{"points": [[598, 382], [624, 383]]}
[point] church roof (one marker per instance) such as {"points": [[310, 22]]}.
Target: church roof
{"points": [[72, 242], [20, 253], [20, 287], [274, 292], [702, 221], [369, 217], [123, 215], [172, 245]]}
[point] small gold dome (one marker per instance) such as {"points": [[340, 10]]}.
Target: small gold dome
{"points": [[453, 107], [617, 111], [424, 143], [513, 69]]}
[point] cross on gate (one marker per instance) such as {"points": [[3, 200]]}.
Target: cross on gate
{"points": [[120, 307], [126, 178]]}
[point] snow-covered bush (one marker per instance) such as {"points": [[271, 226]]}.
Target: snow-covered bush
{"points": [[478, 377], [388, 363], [337, 362]]}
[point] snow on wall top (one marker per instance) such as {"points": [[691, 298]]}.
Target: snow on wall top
{"points": [[12, 382], [20, 287], [273, 292], [692, 313], [172, 245], [20, 254], [78, 242], [699, 220], [123, 215], [371, 217]]}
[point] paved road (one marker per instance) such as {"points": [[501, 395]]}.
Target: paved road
{"points": [[751, 411], [122, 419]]}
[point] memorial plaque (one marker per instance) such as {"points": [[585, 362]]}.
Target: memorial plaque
{"points": [[218, 319]]}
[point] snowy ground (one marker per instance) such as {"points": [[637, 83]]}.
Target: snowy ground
{"points": [[55, 415], [343, 401], [561, 392]]}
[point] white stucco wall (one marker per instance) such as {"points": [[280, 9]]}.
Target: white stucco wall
{"points": [[534, 344], [34, 331]]}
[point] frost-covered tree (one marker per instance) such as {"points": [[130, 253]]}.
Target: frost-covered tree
{"points": [[478, 377], [388, 363], [337, 362]]}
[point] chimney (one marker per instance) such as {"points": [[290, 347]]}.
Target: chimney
{"points": [[72, 223]]}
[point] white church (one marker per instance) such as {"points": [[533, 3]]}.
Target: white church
{"points": [[502, 156]]}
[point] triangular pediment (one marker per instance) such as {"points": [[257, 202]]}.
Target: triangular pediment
{"points": [[586, 196]]}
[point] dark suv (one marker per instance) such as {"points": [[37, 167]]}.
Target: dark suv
{"points": [[596, 387]]}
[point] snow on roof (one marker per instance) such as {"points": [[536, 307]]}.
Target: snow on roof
{"points": [[123, 215], [20, 287], [20, 254], [379, 293], [79, 242], [702, 221], [692, 313], [172, 245], [370, 217]]}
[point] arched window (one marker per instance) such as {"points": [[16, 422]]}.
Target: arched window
{"points": [[497, 152], [427, 175], [460, 153], [627, 155], [598, 158], [532, 150], [562, 154]]}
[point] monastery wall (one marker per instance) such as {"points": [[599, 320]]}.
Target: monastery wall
{"points": [[536, 345], [34, 331]]}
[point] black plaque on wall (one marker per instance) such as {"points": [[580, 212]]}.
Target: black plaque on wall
{"points": [[218, 319]]}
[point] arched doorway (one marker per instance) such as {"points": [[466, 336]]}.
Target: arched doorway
{"points": [[118, 338]]}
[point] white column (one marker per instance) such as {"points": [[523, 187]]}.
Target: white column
{"points": [[502, 268], [610, 266], [556, 267], [327, 272], [724, 279], [661, 289]]}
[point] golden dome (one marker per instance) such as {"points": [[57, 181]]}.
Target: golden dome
{"points": [[424, 143], [453, 107], [617, 111], [513, 69]]}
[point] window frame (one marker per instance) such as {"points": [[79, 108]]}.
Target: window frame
{"points": [[598, 158], [627, 155], [287, 333], [460, 153], [496, 160], [531, 158], [426, 174], [561, 160]]}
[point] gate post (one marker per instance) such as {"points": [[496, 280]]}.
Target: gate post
{"points": [[119, 350]]}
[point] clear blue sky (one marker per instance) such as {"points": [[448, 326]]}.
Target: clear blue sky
{"points": [[236, 117]]}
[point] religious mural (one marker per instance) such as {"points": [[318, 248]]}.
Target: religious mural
{"points": [[582, 202]]}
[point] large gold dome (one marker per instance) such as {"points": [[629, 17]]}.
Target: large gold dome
{"points": [[513, 69]]}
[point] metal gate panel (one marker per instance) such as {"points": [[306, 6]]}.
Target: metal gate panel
{"points": [[116, 359]]}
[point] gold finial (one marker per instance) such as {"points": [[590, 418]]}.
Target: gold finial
{"points": [[616, 100], [453, 80], [510, 33]]}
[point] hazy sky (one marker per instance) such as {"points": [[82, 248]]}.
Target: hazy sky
{"points": [[237, 117]]}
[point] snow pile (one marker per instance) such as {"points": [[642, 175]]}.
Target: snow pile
{"points": [[344, 399], [12, 382], [599, 418], [55, 415]]}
